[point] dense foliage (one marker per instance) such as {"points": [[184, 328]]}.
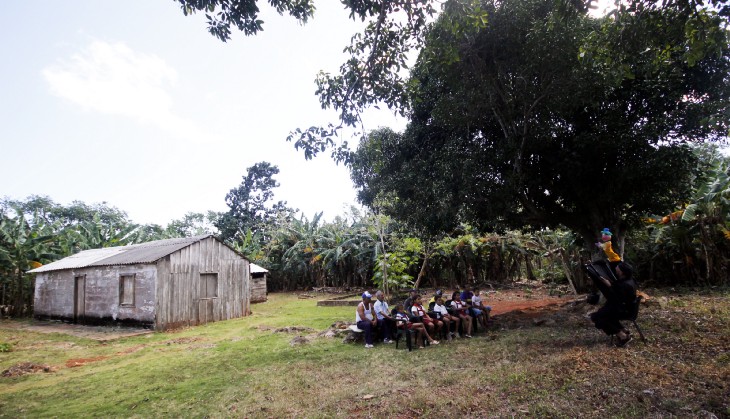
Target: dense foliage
{"points": [[523, 113], [690, 246], [250, 209], [542, 117]]}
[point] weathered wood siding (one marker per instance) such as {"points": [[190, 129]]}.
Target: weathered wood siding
{"points": [[258, 288], [55, 293], [181, 296]]}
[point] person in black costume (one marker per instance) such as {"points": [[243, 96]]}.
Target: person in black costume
{"points": [[620, 294]]}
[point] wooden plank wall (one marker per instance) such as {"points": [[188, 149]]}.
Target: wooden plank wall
{"points": [[258, 289], [180, 291]]}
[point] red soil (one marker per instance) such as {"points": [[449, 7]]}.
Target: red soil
{"points": [[501, 307], [71, 363]]}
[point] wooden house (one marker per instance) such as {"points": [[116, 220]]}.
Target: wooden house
{"points": [[161, 284], [259, 277]]}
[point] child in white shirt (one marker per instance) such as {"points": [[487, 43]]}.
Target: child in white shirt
{"points": [[447, 318]]}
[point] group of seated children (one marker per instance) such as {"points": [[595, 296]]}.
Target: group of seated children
{"points": [[440, 319]]}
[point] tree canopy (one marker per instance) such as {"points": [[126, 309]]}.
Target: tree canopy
{"points": [[543, 116], [374, 72], [522, 113], [222, 15], [249, 203]]}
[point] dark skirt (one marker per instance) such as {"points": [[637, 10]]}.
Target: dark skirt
{"points": [[608, 317]]}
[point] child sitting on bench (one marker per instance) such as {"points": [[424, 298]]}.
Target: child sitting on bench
{"points": [[403, 321]]}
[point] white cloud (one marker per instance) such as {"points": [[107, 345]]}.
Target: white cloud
{"points": [[114, 79]]}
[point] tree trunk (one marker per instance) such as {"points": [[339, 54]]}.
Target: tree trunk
{"points": [[31, 296], [528, 268], [620, 243], [566, 268], [422, 272], [381, 234], [514, 269], [19, 298], [708, 259]]}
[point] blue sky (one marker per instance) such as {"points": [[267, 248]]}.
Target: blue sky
{"points": [[132, 103]]}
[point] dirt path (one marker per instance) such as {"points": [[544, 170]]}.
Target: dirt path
{"points": [[505, 301], [503, 307]]}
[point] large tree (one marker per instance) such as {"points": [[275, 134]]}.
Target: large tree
{"points": [[378, 55], [544, 116], [524, 112], [67, 215], [193, 224], [250, 204]]}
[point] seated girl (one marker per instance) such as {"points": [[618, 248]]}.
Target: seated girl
{"points": [[447, 318], [478, 303], [417, 310], [462, 311], [403, 321]]}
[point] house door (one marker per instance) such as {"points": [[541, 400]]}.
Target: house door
{"points": [[208, 297], [205, 311], [79, 298]]}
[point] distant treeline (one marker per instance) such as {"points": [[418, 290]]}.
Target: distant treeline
{"points": [[689, 247]]}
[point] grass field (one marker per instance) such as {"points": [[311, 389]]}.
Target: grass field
{"points": [[243, 368]]}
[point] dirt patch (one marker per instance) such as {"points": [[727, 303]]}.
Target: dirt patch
{"points": [[526, 306], [299, 340], [540, 314], [293, 329], [98, 333], [202, 346], [182, 340], [285, 329], [78, 362], [131, 350], [26, 368]]}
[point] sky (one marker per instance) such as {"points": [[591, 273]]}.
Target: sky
{"points": [[134, 104]]}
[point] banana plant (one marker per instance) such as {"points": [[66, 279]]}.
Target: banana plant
{"points": [[98, 233], [709, 219], [24, 245], [695, 248], [249, 244]]}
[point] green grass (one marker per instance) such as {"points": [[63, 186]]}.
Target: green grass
{"points": [[241, 368]]}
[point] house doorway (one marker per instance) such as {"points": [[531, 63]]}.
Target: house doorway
{"points": [[79, 298]]}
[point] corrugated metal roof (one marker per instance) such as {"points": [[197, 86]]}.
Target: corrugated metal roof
{"points": [[256, 269], [123, 255]]}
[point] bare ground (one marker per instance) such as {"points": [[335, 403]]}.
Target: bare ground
{"points": [[98, 333]]}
